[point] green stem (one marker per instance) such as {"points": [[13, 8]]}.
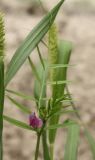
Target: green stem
{"points": [[45, 146], [1, 106], [38, 140], [51, 150], [37, 146]]}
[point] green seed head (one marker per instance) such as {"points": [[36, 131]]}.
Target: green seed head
{"points": [[2, 34], [53, 50], [53, 56]]}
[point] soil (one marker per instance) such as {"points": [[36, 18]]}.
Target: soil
{"points": [[76, 23]]}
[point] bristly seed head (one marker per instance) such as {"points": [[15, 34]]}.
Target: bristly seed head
{"points": [[2, 34], [34, 121]]}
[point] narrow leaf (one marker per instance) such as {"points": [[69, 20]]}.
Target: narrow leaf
{"points": [[91, 142], [61, 112], [60, 66], [64, 53], [58, 82], [31, 42], [23, 108], [17, 123], [21, 95], [56, 126], [72, 143], [40, 89]]}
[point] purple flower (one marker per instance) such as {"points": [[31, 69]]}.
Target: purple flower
{"points": [[34, 121]]}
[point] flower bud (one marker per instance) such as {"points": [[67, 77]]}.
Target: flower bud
{"points": [[34, 121]]}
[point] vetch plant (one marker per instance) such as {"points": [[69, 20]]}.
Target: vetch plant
{"points": [[53, 72]]}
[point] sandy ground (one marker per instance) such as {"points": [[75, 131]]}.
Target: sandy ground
{"points": [[76, 23]]}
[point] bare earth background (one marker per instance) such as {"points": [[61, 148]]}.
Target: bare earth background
{"points": [[76, 22]]}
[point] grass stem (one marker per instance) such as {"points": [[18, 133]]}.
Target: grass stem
{"points": [[37, 146]]}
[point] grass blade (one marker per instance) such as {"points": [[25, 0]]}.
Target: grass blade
{"points": [[17, 123], [60, 66], [64, 49], [64, 53], [38, 86], [23, 108], [72, 142], [56, 126], [58, 82], [31, 42], [61, 112], [91, 142], [21, 95]]}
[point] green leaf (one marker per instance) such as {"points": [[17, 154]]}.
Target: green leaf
{"points": [[72, 142], [63, 98], [31, 42], [17, 123], [91, 142], [64, 48], [56, 126], [43, 90], [56, 109], [61, 112], [23, 108], [58, 82], [64, 53], [21, 95], [38, 92], [60, 66]]}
